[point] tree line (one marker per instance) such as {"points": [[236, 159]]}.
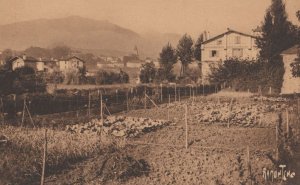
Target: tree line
{"points": [[186, 52]]}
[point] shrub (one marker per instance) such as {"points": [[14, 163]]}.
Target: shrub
{"points": [[252, 75], [147, 73], [104, 77]]}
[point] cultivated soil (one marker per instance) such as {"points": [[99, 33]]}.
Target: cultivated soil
{"points": [[216, 153]]}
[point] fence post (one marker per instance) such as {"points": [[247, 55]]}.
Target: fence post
{"points": [[2, 110], [190, 92], [276, 133], [127, 101], [161, 92], [179, 94], [44, 158], [186, 127], [24, 109], [169, 108], [101, 108], [248, 164], [145, 100], [175, 92], [89, 110], [287, 122], [117, 96]]}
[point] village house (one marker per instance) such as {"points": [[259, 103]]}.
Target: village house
{"points": [[132, 61], [290, 84], [231, 44], [71, 64], [21, 61]]}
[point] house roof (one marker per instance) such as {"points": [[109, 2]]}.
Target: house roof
{"points": [[293, 50], [66, 59], [27, 59], [227, 32], [76, 58]]}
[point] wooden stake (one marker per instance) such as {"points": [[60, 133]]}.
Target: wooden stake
{"points": [[127, 101], [179, 94], [152, 101], [186, 128], [287, 122], [175, 92], [24, 109], [145, 100], [44, 158], [28, 112], [248, 164], [161, 93], [277, 156], [89, 110], [190, 92], [2, 110], [101, 108], [169, 108], [117, 97]]}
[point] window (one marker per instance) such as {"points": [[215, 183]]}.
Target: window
{"points": [[237, 40], [214, 53], [237, 52]]}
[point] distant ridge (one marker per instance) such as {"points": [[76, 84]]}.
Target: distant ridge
{"points": [[100, 36]]}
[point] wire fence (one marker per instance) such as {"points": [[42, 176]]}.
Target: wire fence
{"points": [[86, 103]]}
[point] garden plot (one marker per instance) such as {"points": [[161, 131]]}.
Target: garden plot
{"points": [[119, 126]]}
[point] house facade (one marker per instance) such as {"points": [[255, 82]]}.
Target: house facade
{"points": [[71, 64], [21, 61], [290, 84], [231, 44]]}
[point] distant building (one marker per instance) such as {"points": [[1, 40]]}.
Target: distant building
{"points": [[71, 64], [231, 44], [21, 61], [132, 61], [290, 84]]}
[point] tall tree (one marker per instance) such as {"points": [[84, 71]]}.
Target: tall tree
{"points": [[167, 59], [185, 52], [278, 33], [197, 52]]}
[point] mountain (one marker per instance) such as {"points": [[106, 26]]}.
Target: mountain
{"points": [[100, 37]]}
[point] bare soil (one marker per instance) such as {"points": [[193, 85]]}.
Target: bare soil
{"points": [[216, 154]]}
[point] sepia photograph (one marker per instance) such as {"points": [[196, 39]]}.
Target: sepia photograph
{"points": [[150, 92]]}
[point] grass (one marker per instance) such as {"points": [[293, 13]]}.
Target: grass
{"points": [[21, 157]]}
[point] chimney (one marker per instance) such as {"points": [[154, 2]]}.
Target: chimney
{"points": [[208, 35], [24, 56]]}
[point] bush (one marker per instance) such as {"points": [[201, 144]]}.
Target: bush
{"points": [[148, 73], [104, 77], [21, 80], [244, 74]]}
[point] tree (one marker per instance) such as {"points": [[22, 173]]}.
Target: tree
{"points": [[167, 59], [61, 52], [147, 73], [278, 33], [197, 52], [185, 52]]}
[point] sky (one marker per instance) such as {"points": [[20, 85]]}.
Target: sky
{"points": [[142, 16]]}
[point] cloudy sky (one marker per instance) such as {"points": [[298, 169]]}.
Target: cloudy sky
{"points": [[175, 16]]}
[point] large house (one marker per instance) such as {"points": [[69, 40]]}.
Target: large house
{"points": [[72, 64], [231, 44], [21, 61], [290, 84]]}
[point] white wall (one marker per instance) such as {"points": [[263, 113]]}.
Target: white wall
{"points": [[18, 63], [290, 84]]}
